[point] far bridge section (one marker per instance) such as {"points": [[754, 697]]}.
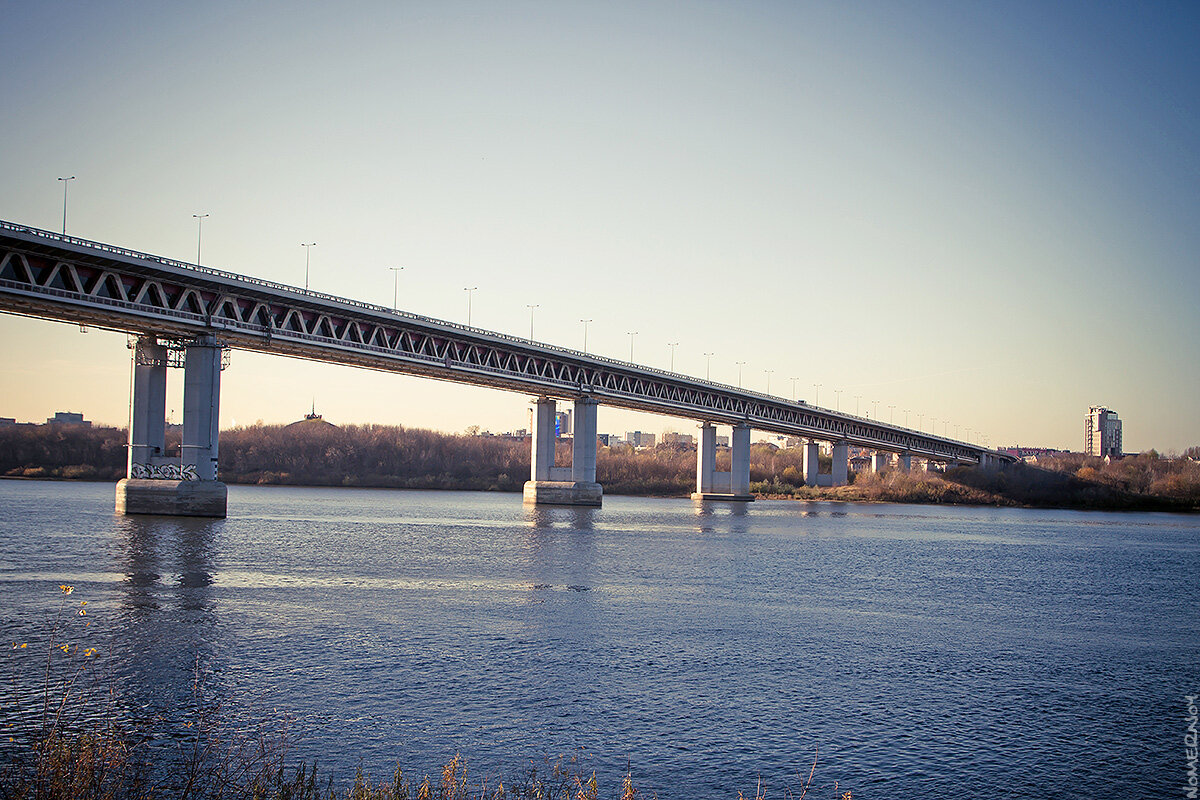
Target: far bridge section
{"points": [[186, 314]]}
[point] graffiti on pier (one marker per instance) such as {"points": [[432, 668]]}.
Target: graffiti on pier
{"points": [[164, 472]]}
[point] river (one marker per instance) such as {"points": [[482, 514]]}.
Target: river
{"points": [[926, 651]]}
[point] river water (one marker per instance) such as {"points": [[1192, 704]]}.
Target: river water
{"points": [[925, 651]]}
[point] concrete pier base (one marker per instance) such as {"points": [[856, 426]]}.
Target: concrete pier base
{"points": [[172, 498], [738, 498], [564, 493]]}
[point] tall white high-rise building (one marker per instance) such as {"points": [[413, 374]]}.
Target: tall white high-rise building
{"points": [[1102, 432]]}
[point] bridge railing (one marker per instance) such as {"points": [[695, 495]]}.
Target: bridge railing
{"points": [[378, 309]]}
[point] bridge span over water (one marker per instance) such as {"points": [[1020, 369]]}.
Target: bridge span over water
{"points": [[187, 315]]}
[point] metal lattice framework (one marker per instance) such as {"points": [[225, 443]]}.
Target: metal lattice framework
{"points": [[48, 275]]}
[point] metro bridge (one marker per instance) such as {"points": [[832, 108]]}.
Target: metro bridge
{"points": [[186, 315]]}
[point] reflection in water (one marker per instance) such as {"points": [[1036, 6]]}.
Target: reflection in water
{"points": [[579, 518], [709, 515], [560, 550], [165, 636]]}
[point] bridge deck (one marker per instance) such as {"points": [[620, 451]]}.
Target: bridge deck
{"points": [[48, 275]]}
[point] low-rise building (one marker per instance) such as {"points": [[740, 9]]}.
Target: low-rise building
{"points": [[68, 418]]}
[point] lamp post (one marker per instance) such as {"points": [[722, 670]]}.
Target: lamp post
{"points": [[906, 417], [740, 364], [470, 290], [307, 251], [857, 400], [837, 399], [876, 414], [631, 335], [65, 181], [933, 425], [395, 285], [199, 233], [585, 322], [817, 394], [793, 380], [892, 415], [768, 371], [672, 345], [531, 308], [708, 366]]}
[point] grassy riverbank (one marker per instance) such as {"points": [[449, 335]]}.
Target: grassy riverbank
{"points": [[1140, 483]]}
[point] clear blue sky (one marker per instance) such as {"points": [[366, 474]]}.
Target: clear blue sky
{"points": [[981, 212]]}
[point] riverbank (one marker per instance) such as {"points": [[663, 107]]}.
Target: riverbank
{"points": [[1017, 485], [315, 453]]}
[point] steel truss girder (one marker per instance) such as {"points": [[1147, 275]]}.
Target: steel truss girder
{"points": [[46, 275]]}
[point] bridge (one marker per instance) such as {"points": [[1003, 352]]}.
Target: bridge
{"points": [[185, 315]]}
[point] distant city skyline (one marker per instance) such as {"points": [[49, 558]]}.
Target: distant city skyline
{"points": [[977, 218]]}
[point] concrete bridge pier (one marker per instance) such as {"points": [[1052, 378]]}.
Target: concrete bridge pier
{"points": [[880, 461], [732, 485], [841, 463], [905, 461], [154, 483], [567, 486], [812, 463]]}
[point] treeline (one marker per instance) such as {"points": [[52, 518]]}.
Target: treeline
{"points": [[62, 451], [316, 453]]}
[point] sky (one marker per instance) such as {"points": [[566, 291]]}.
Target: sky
{"points": [[979, 216]]}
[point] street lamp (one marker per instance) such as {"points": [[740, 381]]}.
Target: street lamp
{"points": [[531, 308], [585, 322], [876, 414], [708, 366], [892, 415], [65, 181], [631, 335], [470, 290], [817, 394], [740, 364], [672, 345], [307, 251], [395, 285], [837, 399], [793, 380], [768, 371], [857, 400], [906, 417], [199, 232]]}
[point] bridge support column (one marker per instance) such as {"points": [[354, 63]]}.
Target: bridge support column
{"points": [[880, 461], [566, 486], [986, 461], [154, 483], [201, 403], [812, 463], [732, 485], [841, 463], [905, 462], [147, 406], [706, 459], [740, 465]]}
